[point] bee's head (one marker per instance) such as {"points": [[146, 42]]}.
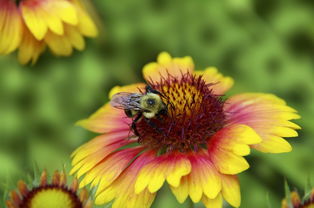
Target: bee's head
{"points": [[152, 104]]}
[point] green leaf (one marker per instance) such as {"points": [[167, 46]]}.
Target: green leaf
{"points": [[308, 185], [268, 200], [288, 193]]}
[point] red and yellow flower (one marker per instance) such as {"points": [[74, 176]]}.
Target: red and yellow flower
{"points": [[198, 148], [56, 194], [296, 202], [30, 25]]}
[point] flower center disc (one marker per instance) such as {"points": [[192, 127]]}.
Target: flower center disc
{"points": [[51, 197], [309, 203], [195, 113]]}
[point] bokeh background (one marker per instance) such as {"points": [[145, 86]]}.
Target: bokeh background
{"points": [[265, 45]]}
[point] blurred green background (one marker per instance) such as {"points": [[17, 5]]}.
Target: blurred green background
{"points": [[265, 45]]}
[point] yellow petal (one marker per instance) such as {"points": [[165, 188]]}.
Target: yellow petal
{"points": [[241, 149], [195, 190], [75, 38], [229, 163], [273, 144], [30, 48], [268, 115], [85, 23], [110, 168], [181, 192], [107, 119], [203, 180], [10, 28], [231, 190], [213, 203], [284, 204], [180, 168], [171, 167], [53, 22], [157, 180], [228, 145], [209, 179], [284, 131], [59, 45], [164, 58], [166, 66], [220, 84], [34, 20], [121, 191], [295, 199], [65, 11], [106, 196], [236, 134], [88, 155]]}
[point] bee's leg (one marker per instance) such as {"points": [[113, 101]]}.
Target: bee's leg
{"points": [[163, 112], [154, 126], [158, 116], [133, 125], [137, 117], [128, 113]]}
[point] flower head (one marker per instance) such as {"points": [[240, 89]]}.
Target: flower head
{"points": [[296, 202], [186, 127], [49, 195], [197, 147], [31, 25]]}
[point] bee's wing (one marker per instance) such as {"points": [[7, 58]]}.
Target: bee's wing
{"points": [[120, 100], [126, 100]]}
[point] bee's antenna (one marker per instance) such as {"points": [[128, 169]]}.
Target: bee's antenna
{"points": [[148, 88]]}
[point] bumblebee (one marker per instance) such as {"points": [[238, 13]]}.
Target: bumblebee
{"points": [[140, 105]]}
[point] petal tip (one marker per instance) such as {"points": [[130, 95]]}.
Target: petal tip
{"points": [[164, 57]]}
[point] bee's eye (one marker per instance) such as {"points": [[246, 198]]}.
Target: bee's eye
{"points": [[150, 102]]}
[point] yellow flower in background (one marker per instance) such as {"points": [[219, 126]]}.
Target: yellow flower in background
{"points": [[197, 146], [31, 25], [296, 202], [56, 194]]}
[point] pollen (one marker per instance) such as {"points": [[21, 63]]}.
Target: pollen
{"points": [[194, 114]]}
